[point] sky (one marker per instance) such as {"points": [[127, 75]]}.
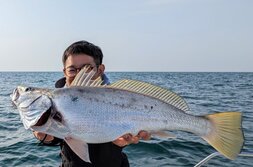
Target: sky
{"points": [[143, 35]]}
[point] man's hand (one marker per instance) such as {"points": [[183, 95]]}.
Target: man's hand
{"points": [[130, 139], [40, 136]]}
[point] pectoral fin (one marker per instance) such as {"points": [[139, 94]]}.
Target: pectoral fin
{"points": [[162, 134], [79, 147]]}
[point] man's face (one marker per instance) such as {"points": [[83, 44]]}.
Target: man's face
{"points": [[74, 63]]}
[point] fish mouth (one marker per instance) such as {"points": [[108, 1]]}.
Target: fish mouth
{"points": [[15, 95]]}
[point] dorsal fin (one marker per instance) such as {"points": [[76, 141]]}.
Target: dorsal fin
{"points": [[153, 91], [84, 78]]}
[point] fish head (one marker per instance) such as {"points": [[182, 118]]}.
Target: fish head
{"points": [[32, 103]]}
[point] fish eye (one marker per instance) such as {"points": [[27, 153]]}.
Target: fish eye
{"points": [[28, 89]]}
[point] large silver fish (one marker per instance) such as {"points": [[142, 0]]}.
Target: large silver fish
{"points": [[90, 113]]}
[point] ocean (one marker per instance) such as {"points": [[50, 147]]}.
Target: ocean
{"points": [[204, 92]]}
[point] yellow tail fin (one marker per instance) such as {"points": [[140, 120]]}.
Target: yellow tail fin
{"points": [[226, 136]]}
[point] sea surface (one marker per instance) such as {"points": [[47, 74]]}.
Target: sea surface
{"points": [[204, 92]]}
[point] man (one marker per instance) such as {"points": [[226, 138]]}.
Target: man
{"points": [[75, 57]]}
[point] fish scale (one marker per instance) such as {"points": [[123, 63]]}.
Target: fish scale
{"points": [[108, 113]]}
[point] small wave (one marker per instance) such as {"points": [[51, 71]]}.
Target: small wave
{"points": [[218, 85]]}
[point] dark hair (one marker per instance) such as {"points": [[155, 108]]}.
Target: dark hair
{"points": [[84, 47]]}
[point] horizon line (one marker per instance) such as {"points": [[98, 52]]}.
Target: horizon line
{"points": [[150, 71]]}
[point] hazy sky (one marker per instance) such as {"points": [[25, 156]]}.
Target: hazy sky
{"points": [[136, 35]]}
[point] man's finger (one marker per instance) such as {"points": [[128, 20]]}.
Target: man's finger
{"points": [[135, 139], [128, 137], [121, 142], [144, 135]]}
